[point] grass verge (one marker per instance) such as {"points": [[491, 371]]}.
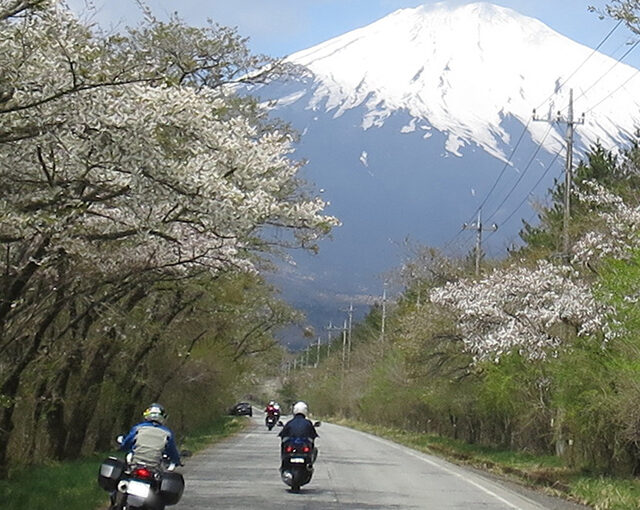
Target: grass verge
{"points": [[546, 473], [72, 484]]}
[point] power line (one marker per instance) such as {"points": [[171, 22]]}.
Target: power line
{"points": [[526, 197], [584, 92], [508, 162], [524, 172], [614, 91], [531, 160], [504, 168], [595, 50]]}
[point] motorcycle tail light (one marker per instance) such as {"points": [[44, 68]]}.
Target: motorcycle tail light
{"points": [[306, 449], [289, 449], [143, 473]]}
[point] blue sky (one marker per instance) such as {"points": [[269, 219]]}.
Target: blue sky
{"points": [[282, 27]]}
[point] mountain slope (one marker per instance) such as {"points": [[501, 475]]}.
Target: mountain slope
{"points": [[409, 124], [462, 70]]}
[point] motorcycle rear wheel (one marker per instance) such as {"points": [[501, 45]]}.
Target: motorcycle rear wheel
{"points": [[120, 502], [298, 480]]}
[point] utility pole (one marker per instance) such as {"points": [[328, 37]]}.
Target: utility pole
{"points": [[318, 354], [350, 312], [477, 226], [568, 173], [344, 344], [350, 324], [343, 330], [384, 313], [344, 348]]}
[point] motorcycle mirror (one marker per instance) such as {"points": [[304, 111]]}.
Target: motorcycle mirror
{"points": [[317, 424], [120, 439]]}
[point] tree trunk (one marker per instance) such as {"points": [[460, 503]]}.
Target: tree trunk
{"points": [[84, 409]]}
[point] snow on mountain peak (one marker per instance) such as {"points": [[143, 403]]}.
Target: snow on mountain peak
{"points": [[462, 70]]}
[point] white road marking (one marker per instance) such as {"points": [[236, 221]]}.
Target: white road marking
{"points": [[444, 468]]}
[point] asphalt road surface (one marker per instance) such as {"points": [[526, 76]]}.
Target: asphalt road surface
{"points": [[353, 471]]}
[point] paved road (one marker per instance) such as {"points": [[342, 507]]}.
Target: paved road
{"points": [[354, 471]]}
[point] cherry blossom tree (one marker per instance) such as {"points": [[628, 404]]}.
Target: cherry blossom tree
{"points": [[125, 160], [618, 233], [521, 308]]}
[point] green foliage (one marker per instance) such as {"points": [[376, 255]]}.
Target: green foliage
{"points": [[513, 403], [388, 397], [606, 493], [619, 174], [71, 484]]}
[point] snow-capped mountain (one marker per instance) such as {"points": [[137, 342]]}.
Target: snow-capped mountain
{"points": [[462, 70], [409, 124]]}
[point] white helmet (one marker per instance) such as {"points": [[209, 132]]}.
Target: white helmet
{"points": [[300, 408]]}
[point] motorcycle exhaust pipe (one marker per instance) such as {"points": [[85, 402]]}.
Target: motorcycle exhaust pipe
{"points": [[123, 486]]}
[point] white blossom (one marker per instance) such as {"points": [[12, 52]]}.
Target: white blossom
{"points": [[521, 309], [618, 234], [120, 167]]}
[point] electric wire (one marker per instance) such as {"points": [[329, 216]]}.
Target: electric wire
{"points": [[584, 92], [563, 83], [575, 71], [524, 172], [613, 91], [504, 168], [448, 244], [526, 197]]}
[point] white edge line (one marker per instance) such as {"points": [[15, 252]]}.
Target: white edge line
{"points": [[444, 468]]}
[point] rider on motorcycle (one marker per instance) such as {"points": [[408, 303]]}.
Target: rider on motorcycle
{"points": [[299, 426], [273, 408], [149, 440]]}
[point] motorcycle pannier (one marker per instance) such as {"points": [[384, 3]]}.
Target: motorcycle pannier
{"points": [[110, 472], [171, 488]]}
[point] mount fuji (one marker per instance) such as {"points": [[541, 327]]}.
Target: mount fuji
{"points": [[412, 124]]}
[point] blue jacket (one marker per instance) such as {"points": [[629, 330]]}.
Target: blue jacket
{"points": [[130, 442], [299, 426]]}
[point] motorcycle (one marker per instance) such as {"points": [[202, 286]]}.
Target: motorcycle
{"points": [[136, 486], [297, 455], [271, 420]]}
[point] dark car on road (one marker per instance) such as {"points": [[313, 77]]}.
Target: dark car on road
{"points": [[241, 409]]}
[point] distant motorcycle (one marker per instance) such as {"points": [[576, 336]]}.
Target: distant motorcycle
{"points": [[135, 486], [297, 457], [271, 420]]}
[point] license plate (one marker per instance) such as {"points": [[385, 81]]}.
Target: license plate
{"points": [[139, 489], [297, 460]]}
